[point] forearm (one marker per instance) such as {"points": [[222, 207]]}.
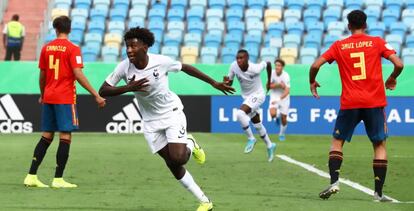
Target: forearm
{"points": [[190, 70], [42, 82], [107, 90], [4, 40], [397, 71], [268, 71], [312, 74]]}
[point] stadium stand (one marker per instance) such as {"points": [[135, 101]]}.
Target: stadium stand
{"points": [[300, 29]]}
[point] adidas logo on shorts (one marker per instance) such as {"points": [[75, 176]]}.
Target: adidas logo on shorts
{"points": [[11, 119], [127, 121]]}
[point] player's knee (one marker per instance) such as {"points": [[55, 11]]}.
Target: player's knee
{"points": [[177, 159], [258, 126], [241, 115], [67, 141]]}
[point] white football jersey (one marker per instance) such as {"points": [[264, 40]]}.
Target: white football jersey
{"points": [[250, 81], [158, 101], [284, 77]]}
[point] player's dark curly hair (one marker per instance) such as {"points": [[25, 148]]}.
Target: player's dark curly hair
{"points": [[357, 19], [243, 51], [62, 24], [142, 34]]}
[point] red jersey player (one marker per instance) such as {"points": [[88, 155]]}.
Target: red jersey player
{"points": [[60, 66], [363, 96]]}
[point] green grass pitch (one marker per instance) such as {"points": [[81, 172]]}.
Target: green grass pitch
{"points": [[117, 172]]}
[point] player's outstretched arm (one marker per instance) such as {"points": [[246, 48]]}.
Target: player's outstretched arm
{"points": [[222, 86], [391, 82], [83, 81], [312, 75], [132, 86], [269, 75]]}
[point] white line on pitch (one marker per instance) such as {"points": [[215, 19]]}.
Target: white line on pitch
{"points": [[326, 175]]}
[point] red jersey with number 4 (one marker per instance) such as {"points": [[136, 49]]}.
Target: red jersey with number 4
{"points": [[359, 62], [59, 58]]}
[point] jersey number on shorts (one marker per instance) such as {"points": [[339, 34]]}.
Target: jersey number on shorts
{"points": [[54, 65], [361, 65]]}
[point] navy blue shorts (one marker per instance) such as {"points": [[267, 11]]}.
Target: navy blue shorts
{"points": [[374, 120], [59, 117]]}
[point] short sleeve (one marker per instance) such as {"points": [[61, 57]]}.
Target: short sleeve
{"points": [[42, 61], [386, 50], [76, 58], [232, 71], [118, 74], [172, 65], [329, 55]]}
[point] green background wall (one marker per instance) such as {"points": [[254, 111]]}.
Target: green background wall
{"points": [[22, 78]]}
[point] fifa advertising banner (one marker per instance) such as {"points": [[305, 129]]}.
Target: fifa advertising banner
{"points": [[22, 113], [308, 115]]}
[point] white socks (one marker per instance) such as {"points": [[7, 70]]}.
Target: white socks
{"points": [[188, 182], [244, 122], [263, 134], [282, 129]]}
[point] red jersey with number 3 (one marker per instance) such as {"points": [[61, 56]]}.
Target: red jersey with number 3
{"points": [[59, 58], [359, 62]]}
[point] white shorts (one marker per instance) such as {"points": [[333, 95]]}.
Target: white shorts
{"points": [[159, 133], [281, 105], [254, 101]]}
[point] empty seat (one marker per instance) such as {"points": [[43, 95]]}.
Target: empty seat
{"points": [[215, 27], [175, 27], [110, 54], [101, 3], [154, 49], [85, 4], [234, 14], [96, 27], [117, 14], [176, 14], [345, 13], [189, 54], [228, 55], [214, 14], [78, 26], [79, 14], [308, 55], [252, 40], [289, 55], [269, 54], [233, 40], [138, 13], [173, 39], [409, 4], [198, 3], [295, 28], [292, 16], [395, 41], [315, 4], [331, 15], [235, 27], [195, 13], [311, 15], [312, 41], [63, 4], [117, 27], [398, 28], [179, 4], [89, 53], [239, 4], [394, 4], [408, 56], [216, 4], [142, 3], [275, 4], [272, 15], [256, 4], [408, 16], [254, 15], [389, 16], [329, 39], [353, 4], [291, 40], [195, 27], [374, 4], [336, 28], [255, 27], [253, 52], [276, 29], [156, 14], [59, 12], [209, 55], [76, 38], [337, 4], [315, 28], [192, 39], [93, 39], [156, 26], [212, 40], [409, 41], [372, 15], [170, 51], [113, 40], [273, 41], [98, 14], [376, 29], [295, 4], [121, 4]]}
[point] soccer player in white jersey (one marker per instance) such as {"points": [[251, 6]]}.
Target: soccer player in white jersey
{"points": [[164, 123], [279, 96], [248, 74]]}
